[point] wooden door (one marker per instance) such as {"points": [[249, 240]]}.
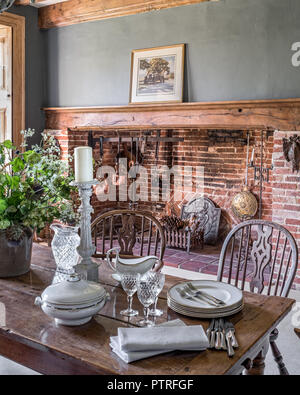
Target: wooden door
{"points": [[5, 83]]}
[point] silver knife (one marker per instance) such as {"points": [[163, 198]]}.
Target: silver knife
{"points": [[209, 329], [218, 344], [223, 338], [212, 335]]}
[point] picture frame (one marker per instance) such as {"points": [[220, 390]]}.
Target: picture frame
{"points": [[157, 74]]}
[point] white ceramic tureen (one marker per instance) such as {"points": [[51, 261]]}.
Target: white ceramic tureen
{"points": [[72, 302]]}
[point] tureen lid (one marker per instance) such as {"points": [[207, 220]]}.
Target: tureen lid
{"points": [[74, 291]]}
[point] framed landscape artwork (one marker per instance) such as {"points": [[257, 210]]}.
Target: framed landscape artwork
{"points": [[157, 74]]}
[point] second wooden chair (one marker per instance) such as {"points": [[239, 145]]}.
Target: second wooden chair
{"points": [[264, 255], [137, 233]]}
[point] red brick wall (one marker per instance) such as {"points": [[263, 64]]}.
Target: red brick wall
{"points": [[224, 165], [286, 191]]}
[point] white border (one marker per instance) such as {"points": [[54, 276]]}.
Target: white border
{"points": [[177, 95]]}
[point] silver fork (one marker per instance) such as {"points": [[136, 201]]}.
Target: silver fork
{"points": [[188, 295], [184, 295], [228, 336], [198, 296], [208, 296], [230, 328]]}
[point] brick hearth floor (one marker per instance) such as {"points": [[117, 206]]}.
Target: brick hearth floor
{"points": [[202, 261]]}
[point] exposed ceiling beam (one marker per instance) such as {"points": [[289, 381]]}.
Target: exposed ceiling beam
{"points": [[38, 3], [78, 11]]}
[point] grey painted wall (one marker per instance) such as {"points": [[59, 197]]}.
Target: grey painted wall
{"points": [[35, 69], [236, 49]]}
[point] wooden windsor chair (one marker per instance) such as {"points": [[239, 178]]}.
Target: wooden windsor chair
{"points": [[264, 256], [136, 233]]}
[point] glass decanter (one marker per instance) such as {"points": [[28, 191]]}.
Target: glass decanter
{"points": [[64, 247]]}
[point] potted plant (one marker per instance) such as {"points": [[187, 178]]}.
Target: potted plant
{"points": [[34, 190]]}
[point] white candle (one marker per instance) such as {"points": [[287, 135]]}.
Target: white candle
{"points": [[83, 158], [252, 156]]}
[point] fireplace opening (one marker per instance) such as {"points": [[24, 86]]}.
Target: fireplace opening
{"points": [[224, 161], [222, 153]]}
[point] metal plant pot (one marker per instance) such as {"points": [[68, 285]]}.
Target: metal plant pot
{"points": [[15, 256]]}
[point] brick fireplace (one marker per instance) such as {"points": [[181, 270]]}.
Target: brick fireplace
{"points": [[201, 126]]}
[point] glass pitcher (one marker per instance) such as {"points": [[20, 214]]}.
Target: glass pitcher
{"points": [[64, 247]]}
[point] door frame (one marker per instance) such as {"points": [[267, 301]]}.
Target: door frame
{"points": [[17, 23]]}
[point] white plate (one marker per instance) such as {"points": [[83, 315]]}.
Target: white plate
{"points": [[200, 308], [231, 296], [206, 315], [179, 307], [197, 311]]}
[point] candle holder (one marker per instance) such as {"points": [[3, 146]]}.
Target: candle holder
{"points": [[86, 248]]}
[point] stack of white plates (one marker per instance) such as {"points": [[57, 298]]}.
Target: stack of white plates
{"points": [[200, 308]]}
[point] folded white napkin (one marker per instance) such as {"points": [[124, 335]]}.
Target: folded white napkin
{"points": [[133, 344]]}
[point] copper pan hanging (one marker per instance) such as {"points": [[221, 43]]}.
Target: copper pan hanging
{"points": [[244, 204]]}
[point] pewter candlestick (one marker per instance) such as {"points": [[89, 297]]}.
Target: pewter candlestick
{"points": [[86, 248]]}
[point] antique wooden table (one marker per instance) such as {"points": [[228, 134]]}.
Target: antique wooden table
{"points": [[32, 339]]}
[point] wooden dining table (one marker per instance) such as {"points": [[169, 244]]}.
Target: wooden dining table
{"points": [[31, 338]]}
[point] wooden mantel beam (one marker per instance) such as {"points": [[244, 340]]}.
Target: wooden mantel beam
{"points": [[281, 114], [78, 11], [38, 3], [27, 2]]}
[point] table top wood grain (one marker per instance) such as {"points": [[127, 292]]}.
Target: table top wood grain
{"points": [[31, 338]]}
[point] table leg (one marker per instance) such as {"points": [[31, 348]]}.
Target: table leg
{"points": [[258, 366]]}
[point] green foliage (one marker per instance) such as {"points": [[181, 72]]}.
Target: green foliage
{"points": [[34, 186]]}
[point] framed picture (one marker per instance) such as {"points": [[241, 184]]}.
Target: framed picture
{"points": [[157, 74]]}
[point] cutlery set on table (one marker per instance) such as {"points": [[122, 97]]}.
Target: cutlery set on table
{"points": [[221, 336], [209, 299]]}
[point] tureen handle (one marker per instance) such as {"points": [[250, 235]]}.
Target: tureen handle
{"points": [[38, 301]]}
